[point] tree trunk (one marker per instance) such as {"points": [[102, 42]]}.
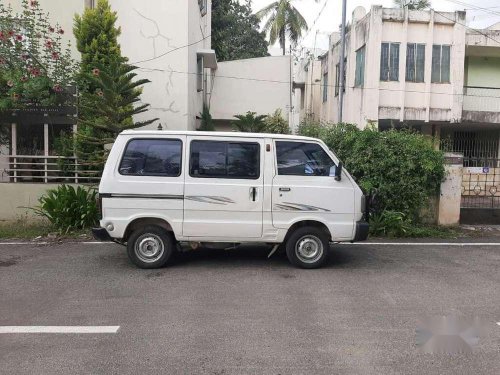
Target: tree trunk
{"points": [[283, 41]]}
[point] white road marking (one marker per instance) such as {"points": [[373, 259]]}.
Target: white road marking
{"points": [[423, 243], [59, 329], [336, 243]]}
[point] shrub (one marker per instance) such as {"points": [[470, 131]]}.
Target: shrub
{"points": [[68, 208], [249, 123], [400, 168], [275, 123]]}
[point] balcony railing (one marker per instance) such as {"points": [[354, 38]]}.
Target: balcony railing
{"points": [[47, 169], [482, 99]]}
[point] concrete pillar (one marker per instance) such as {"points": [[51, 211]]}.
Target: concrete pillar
{"points": [[451, 191]]}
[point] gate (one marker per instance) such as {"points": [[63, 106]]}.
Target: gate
{"points": [[481, 183]]}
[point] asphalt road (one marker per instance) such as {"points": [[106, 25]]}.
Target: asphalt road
{"points": [[237, 312]]}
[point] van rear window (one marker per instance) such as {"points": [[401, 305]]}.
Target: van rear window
{"points": [[152, 157]]}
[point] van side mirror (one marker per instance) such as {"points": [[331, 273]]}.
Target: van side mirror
{"points": [[338, 172]]}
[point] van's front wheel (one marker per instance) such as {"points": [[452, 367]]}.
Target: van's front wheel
{"points": [[307, 247], [150, 247]]}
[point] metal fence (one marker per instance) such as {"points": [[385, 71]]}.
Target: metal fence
{"points": [[45, 169], [481, 185]]}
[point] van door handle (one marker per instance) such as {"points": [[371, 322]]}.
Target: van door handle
{"points": [[253, 191], [285, 189]]}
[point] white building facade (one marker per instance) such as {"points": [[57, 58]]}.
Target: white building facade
{"points": [[423, 69]]}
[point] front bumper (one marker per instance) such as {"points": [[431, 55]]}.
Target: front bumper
{"points": [[101, 234], [362, 229]]}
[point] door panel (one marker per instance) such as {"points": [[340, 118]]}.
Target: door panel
{"points": [[314, 195], [224, 188]]}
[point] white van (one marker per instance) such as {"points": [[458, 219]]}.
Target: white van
{"points": [[163, 188]]}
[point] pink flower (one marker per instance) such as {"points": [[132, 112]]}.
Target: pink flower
{"points": [[10, 33], [10, 83], [33, 3], [25, 56], [60, 31], [35, 72], [51, 29], [24, 79], [19, 38], [48, 43], [96, 72], [57, 88], [55, 55], [100, 93]]}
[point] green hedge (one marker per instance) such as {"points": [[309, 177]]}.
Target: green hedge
{"points": [[400, 168]]}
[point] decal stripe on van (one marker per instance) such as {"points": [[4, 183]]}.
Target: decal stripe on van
{"points": [[143, 196], [287, 206]]}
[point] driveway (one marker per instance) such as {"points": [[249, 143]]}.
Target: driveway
{"points": [[237, 312]]}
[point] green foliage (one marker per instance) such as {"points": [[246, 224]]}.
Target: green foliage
{"points": [[207, 123], [96, 39], [235, 31], [250, 123], [283, 21], [109, 92], [390, 224], [275, 123], [413, 4], [401, 169], [68, 208], [35, 68], [111, 109]]}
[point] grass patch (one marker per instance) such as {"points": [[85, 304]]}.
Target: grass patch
{"points": [[23, 230], [422, 231]]}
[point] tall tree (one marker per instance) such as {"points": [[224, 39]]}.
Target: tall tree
{"points": [[413, 4], [284, 22], [109, 90], [235, 31]]}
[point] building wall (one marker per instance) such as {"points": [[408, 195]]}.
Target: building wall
{"points": [[61, 12], [150, 30], [483, 71], [259, 85], [396, 100], [17, 199]]}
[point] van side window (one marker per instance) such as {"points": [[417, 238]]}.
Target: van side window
{"points": [[303, 159], [152, 157], [216, 159]]}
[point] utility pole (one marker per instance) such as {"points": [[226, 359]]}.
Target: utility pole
{"points": [[342, 62]]}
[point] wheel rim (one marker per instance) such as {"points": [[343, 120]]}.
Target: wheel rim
{"points": [[309, 249], [149, 248]]}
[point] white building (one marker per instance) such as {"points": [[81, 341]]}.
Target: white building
{"points": [[170, 42], [420, 68]]}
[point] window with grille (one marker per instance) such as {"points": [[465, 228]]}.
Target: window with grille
{"points": [[325, 87], [415, 62], [441, 55], [389, 62], [199, 74], [203, 6], [337, 77], [359, 78]]}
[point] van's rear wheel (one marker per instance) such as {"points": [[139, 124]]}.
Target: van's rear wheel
{"points": [[307, 247], [150, 247]]}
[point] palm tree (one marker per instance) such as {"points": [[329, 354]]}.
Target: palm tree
{"points": [[283, 21], [413, 4]]}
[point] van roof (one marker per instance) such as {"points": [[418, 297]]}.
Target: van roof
{"points": [[215, 134]]}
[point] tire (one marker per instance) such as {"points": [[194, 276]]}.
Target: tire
{"points": [[308, 247], [150, 247]]}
